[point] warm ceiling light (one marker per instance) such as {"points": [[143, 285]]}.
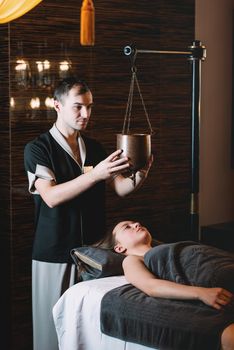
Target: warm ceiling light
{"points": [[49, 102], [64, 65], [34, 103], [12, 102], [43, 65], [21, 65]]}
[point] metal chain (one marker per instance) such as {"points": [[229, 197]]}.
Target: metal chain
{"points": [[143, 104], [129, 106], [126, 124]]}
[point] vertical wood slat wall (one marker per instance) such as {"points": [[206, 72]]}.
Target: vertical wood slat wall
{"points": [[51, 32]]}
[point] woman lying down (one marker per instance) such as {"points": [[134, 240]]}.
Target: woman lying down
{"points": [[151, 270]]}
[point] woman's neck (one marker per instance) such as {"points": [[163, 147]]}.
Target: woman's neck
{"points": [[140, 250]]}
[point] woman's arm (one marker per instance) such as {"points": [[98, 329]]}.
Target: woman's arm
{"points": [[137, 274]]}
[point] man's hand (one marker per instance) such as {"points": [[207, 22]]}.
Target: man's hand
{"points": [[112, 165], [144, 171]]}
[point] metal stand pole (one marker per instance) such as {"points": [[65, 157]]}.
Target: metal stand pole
{"points": [[196, 54], [196, 57]]}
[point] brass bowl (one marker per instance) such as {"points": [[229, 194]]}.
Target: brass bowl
{"points": [[137, 147]]}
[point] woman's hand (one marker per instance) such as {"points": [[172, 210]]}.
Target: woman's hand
{"points": [[215, 297]]}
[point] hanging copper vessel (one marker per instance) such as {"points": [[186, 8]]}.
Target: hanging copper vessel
{"points": [[137, 147]]}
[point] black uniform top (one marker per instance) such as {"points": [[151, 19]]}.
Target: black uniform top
{"points": [[75, 222]]}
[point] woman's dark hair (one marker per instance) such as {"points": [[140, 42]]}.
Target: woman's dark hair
{"points": [[65, 85]]}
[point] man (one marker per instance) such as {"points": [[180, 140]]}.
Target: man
{"points": [[67, 173]]}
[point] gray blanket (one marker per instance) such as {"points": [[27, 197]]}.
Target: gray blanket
{"points": [[130, 315]]}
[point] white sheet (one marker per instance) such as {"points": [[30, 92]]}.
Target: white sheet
{"points": [[77, 317]]}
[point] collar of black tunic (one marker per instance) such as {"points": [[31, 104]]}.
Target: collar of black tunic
{"points": [[57, 135]]}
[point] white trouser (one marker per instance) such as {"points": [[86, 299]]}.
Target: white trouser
{"points": [[49, 282]]}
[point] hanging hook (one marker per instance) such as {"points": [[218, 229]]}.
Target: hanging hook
{"points": [[131, 51]]}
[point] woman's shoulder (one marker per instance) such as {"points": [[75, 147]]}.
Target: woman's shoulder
{"points": [[131, 260]]}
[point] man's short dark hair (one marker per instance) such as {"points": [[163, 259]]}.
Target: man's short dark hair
{"points": [[65, 85]]}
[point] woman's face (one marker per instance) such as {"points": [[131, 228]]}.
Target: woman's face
{"points": [[129, 234]]}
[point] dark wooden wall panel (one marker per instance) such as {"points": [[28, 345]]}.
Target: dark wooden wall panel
{"points": [[5, 186], [51, 32]]}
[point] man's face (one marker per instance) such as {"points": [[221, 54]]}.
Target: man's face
{"points": [[75, 110]]}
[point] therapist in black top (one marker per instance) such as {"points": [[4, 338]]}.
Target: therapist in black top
{"points": [[67, 173]]}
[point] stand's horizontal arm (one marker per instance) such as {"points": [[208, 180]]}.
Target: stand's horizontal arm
{"points": [[197, 51], [129, 50]]}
